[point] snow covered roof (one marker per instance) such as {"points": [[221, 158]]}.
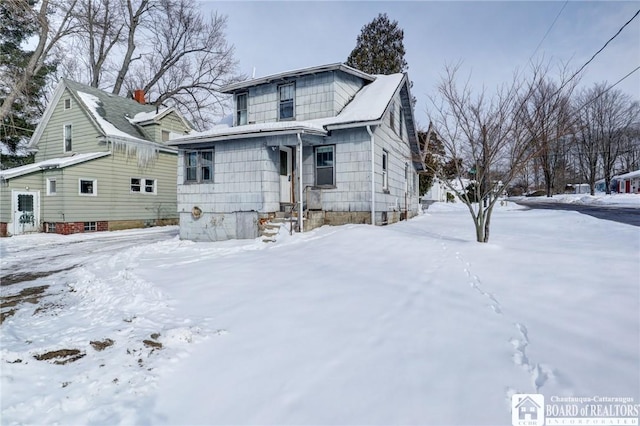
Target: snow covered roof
{"points": [[110, 113], [223, 131], [369, 104], [630, 175], [234, 87], [53, 163]]}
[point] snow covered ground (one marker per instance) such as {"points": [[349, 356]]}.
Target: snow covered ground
{"points": [[412, 323], [599, 199]]}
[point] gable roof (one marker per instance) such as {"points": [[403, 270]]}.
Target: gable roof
{"points": [[234, 87], [111, 114], [368, 107], [52, 163]]}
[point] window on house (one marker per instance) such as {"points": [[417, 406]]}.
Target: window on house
{"points": [[199, 166], [401, 129], [325, 170], [392, 116], [385, 175], [51, 186], [287, 94], [406, 178], [241, 109], [67, 138], [135, 184], [50, 228], [90, 226], [67, 103], [166, 135], [150, 186], [88, 187]]}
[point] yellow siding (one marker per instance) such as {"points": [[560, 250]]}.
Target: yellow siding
{"points": [[85, 136]]}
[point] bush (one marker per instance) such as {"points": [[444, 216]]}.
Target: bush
{"points": [[451, 198]]}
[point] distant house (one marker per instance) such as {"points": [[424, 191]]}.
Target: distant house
{"points": [[629, 183], [102, 163], [332, 143]]}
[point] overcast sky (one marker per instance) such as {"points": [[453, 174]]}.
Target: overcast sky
{"points": [[491, 39]]}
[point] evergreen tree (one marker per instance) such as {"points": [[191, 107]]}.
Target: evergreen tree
{"points": [[379, 48], [16, 27]]}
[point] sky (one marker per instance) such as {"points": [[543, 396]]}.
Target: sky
{"points": [[491, 40]]}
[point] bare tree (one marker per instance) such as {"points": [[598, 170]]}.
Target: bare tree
{"points": [[485, 135], [53, 25], [586, 137], [547, 117]]}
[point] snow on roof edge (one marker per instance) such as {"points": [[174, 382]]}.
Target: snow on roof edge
{"points": [[60, 162]]}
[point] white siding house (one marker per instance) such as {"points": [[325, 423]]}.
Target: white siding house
{"points": [[331, 143]]}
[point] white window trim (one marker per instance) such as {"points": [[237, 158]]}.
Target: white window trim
{"points": [[401, 123], [64, 137], [143, 184], [392, 116], [95, 187], [49, 180]]}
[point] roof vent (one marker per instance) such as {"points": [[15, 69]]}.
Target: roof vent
{"points": [[138, 96]]}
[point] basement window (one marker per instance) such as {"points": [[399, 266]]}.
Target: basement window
{"points": [[90, 226]]}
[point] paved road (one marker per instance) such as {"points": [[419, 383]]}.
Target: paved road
{"points": [[628, 215]]}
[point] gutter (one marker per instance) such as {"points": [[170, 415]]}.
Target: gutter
{"points": [[373, 177], [300, 190]]}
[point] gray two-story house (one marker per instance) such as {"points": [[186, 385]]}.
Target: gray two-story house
{"points": [[332, 143]]}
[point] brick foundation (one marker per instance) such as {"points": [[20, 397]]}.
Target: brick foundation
{"points": [[68, 228], [3, 229]]}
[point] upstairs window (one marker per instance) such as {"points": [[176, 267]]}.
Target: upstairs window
{"points": [[325, 171], [287, 93], [401, 129], [67, 134], [199, 166], [143, 185], [166, 135], [67, 103], [385, 174], [51, 186], [241, 109]]}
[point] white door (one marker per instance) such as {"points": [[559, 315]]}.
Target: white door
{"points": [[26, 211], [285, 175]]}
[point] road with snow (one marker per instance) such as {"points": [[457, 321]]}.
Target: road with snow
{"points": [[628, 215]]}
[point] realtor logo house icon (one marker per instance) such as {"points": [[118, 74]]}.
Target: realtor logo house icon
{"points": [[527, 409]]}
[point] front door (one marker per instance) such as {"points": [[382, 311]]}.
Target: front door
{"points": [[26, 211], [285, 175]]}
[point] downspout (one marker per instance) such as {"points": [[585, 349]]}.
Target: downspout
{"points": [[300, 191], [373, 177]]}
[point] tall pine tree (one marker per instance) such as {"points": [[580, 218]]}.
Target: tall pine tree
{"points": [[16, 27], [379, 48]]}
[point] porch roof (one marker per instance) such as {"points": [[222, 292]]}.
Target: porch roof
{"points": [[52, 163]]}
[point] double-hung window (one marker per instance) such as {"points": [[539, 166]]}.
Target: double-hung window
{"points": [[199, 166], [385, 174], [286, 96], [68, 146], [241, 109], [325, 170], [392, 116]]}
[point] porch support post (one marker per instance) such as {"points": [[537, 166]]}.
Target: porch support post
{"points": [[300, 188], [373, 177]]}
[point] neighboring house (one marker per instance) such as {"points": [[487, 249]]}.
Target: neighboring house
{"points": [[101, 163], [332, 143], [629, 183]]}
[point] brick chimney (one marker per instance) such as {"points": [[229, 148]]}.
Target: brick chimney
{"points": [[138, 96]]}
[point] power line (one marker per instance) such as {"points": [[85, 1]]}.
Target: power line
{"points": [[549, 29], [601, 49], [609, 88]]}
